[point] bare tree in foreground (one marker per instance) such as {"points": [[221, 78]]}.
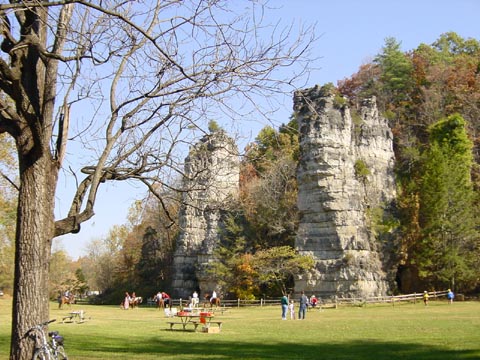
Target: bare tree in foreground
{"points": [[128, 84]]}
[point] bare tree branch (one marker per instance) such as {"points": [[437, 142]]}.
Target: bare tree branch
{"points": [[118, 90]]}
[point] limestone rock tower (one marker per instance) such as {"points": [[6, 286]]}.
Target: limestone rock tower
{"points": [[346, 189], [211, 180]]}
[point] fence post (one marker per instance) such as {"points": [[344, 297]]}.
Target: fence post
{"points": [[238, 302]]}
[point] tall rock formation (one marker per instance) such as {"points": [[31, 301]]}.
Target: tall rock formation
{"points": [[212, 171], [346, 188]]}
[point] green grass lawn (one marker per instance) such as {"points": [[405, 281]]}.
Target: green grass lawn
{"points": [[407, 331]]}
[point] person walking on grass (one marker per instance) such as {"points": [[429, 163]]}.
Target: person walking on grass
{"points": [[303, 306]]}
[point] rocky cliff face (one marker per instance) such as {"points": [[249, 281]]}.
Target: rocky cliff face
{"points": [[211, 179], [346, 188]]}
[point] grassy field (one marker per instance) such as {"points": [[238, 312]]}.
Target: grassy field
{"points": [[407, 331]]}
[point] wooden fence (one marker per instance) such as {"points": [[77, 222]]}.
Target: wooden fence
{"points": [[327, 303]]}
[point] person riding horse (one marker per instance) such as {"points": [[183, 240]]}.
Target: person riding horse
{"points": [[135, 300], [67, 298], [212, 299]]}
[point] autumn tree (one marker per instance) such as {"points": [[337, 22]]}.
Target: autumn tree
{"points": [[64, 275], [99, 266], [246, 271], [233, 269], [266, 216], [279, 265], [135, 256], [111, 261], [159, 235], [363, 83], [269, 186], [124, 83], [450, 82]]}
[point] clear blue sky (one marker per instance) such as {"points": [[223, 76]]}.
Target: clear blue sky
{"points": [[351, 33]]}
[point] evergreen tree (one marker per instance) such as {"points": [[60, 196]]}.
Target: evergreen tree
{"points": [[450, 248], [396, 72]]}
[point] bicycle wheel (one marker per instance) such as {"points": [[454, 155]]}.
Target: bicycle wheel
{"points": [[41, 354], [61, 354]]}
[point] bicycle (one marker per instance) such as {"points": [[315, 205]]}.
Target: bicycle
{"points": [[45, 350]]}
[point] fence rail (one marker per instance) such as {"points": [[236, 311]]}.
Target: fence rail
{"points": [[334, 303]]}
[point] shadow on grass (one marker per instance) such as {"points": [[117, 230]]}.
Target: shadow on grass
{"points": [[358, 350]]}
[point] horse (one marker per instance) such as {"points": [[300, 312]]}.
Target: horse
{"points": [[135, 301], [66, 300], [216, 301]]}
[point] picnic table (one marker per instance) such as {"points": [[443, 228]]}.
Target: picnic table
{"points": [[75, 316], [194, 320]]}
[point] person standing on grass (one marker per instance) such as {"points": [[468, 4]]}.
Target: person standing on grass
{"points": [[126, 301], [450, 296], [292, 309], [425, 297], [166, 299], [303, 306], [284, 302]]}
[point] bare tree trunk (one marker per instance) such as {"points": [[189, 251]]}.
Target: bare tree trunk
{"points": [[35, 225]]}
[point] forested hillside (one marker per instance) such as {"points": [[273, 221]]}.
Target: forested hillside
{"points": [[431, 98]]}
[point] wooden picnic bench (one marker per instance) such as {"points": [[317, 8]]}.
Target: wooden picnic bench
{"points": [[222, 310], [184, 324], [208, 328], [219, 324], [75, 316], [194, 323]]}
